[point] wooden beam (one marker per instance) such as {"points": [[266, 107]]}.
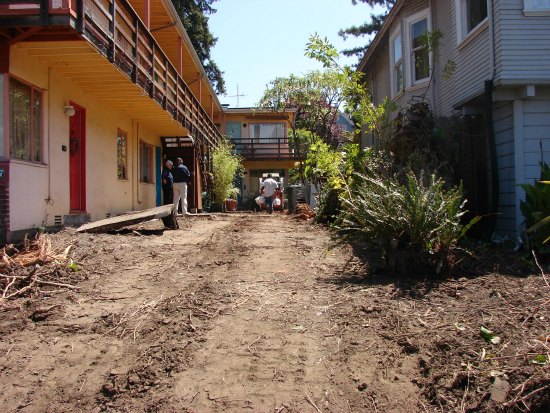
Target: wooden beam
{"points": [[166, 212]]}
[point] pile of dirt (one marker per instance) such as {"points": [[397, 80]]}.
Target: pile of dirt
{"points": [[256, 312]]}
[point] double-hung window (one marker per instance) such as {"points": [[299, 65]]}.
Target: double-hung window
{"points": [[418, 27], [122, 154], [25, 103], [145, 162], [536, 7], [470, 14], [396, 62]]}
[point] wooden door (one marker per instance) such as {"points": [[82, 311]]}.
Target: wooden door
{"points": [[77, 160], [233, 130]]}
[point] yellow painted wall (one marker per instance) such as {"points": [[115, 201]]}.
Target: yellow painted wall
{"points": [[105, 194]]}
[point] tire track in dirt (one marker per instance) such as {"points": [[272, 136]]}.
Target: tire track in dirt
{"points": [[267, 355], [230, 313]]}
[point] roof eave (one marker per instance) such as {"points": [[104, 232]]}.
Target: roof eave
{"points": [[378, 38], [179, 25]]}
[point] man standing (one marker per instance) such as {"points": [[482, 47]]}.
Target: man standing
{"points": [[181, 176], [268, 189], [167, 183]]}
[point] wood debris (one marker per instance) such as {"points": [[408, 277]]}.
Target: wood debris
{"points": [[304, 211], [24, 268]]}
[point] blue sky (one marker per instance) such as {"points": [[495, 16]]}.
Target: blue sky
{"points": [[260, 40]]}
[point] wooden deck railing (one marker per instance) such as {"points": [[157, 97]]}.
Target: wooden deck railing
{"points": [[263, 149], [119, 34]]}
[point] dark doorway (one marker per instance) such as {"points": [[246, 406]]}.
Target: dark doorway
{"points": [[472, 169], [174, 147]]}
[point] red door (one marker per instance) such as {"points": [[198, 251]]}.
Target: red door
{"points": [[77, 159]]}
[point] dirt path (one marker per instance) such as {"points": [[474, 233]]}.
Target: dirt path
{"points": [[232, 313]]}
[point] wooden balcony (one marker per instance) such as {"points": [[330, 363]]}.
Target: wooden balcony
{"points": [[115, 30], [252, 149]]}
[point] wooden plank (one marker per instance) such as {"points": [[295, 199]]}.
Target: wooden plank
{"points": [[132, 218]]}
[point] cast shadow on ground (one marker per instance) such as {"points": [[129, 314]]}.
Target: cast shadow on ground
{"points": [[368, 268], [137, 232]]}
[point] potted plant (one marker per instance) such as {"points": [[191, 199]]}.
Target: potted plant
{"points": [[226, 166], [231, 201]]}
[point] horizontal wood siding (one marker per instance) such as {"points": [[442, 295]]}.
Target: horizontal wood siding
{"points": [[522, 44], [379, 71], [380, 82], [473, 68], [504, 135], [410, 8], [445, 21], [536, 120]]}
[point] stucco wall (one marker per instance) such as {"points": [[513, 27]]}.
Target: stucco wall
{"points": [[31, 203]]}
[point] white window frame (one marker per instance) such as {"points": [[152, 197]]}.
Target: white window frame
{"points": [[393, 74], [34, 139], [409, 70], [536, 7], [462, 33], [263, 138]]}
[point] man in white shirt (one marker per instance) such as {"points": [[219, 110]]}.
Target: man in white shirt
{"points": [[268, 189]]}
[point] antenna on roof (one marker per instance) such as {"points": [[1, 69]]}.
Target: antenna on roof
{"points": [[236, 96]]}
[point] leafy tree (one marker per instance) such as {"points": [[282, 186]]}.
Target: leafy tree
{"points": [[367, 28], [317, 98], [194, 16]]}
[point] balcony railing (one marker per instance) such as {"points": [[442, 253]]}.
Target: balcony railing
{"points": [[263, 149], [119, 34]]}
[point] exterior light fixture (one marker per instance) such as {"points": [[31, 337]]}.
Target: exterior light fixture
{"points": [[69, 110]]}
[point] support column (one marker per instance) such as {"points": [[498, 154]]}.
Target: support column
{"points": [[4, 201], [199, 80], [180, 56], [519, 159], [147, 17], [212, 108], [4, 147]]}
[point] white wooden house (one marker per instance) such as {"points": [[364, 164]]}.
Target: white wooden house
{"points": [[500, 86]]}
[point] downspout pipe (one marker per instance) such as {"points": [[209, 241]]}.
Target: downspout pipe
{"points": [[493, 159], [489, 128]]}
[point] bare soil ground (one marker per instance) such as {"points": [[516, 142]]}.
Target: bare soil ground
{"points": [[249, 312]]}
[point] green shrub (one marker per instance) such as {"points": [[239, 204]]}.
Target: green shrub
{"points": [[536, 210], [418, 224], [226, 166]]}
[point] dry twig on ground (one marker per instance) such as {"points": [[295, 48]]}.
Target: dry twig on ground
{"points": [[34, 263]]}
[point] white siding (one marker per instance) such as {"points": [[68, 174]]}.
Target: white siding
{"points": [[522, 44], [380, 80], [537, 136], [445, 21]]}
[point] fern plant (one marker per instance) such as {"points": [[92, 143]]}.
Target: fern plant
{"points": [[536, 210], [422, 218]]}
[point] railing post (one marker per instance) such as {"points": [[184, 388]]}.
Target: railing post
{"points": [[135, 50], [80, 16], [177, 96], [112, 30], [164, 98], [152, 70], [44, 11]]}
